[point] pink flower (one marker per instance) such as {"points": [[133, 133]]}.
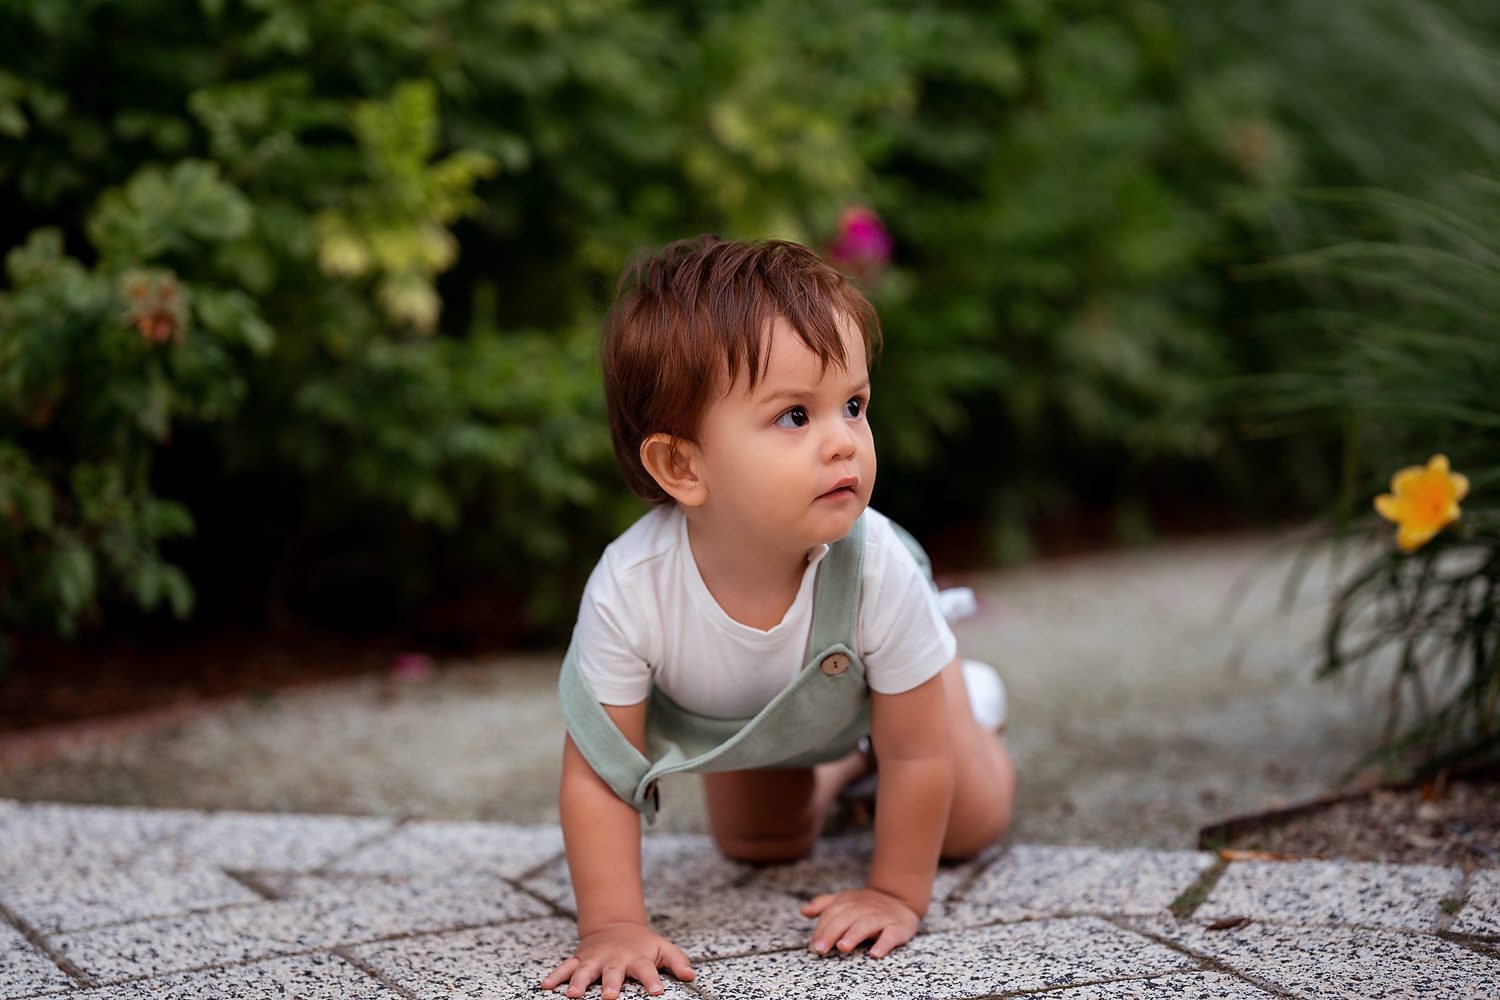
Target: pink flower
{"points": [[863, 245], [412, 667]]}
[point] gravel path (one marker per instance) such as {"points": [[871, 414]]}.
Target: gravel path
{"points": [[1141, 710]]}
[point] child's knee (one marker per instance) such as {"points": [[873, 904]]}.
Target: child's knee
{"points": [[966, 844], [767, 849]]}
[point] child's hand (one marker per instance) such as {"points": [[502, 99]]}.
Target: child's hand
{"points": [[856, 915], [616, 951]]}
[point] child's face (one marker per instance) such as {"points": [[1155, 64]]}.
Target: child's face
{"points": [[773, 460]]}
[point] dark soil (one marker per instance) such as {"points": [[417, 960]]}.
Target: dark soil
{"points": [[1449, 822], [57, 683]]}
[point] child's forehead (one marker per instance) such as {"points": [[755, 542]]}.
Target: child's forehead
{"points": [[786, 362]]}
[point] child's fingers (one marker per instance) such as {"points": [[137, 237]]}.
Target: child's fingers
{"points": [[611, 981], [558, 974], [862, 928], [891, 937], [814, 906], [829, 930], [583, 978], [643, 972], [678, 962]]}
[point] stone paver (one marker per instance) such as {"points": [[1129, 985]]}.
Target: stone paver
{"points": [[305, 977], [437, 848], [1481, 911], [1033, 955], [1342, 963], [1039, 881], [274, 840], [843, 862], [487, 962], [23, 969], [54, 900], [1182, 986], [48, 834], [1397, 896], [189, 905]]}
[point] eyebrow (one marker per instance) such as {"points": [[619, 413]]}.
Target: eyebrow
{"points": [[803, 393]]}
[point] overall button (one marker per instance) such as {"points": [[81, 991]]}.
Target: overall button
{"points": [[835, 664]]}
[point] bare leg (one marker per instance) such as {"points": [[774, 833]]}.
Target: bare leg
{"points": [[776, 814], [765, 814], [984, 777]]}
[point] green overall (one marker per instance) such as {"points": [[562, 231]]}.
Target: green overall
{"points": [[819, 717]]}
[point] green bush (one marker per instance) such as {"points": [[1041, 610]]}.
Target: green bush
{"points": [[302, 298]]}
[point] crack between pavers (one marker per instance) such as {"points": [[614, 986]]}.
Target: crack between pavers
{"points": [[370, 970], [959, 892], [1460, 897], [1487, 945], [865, 945], [558, 910], [537, 869], [359, 845], [1417, 932], [249, 880], [1045, 990], [319, 949], [39, 941], [1207, 961], [166, 915], [1190, 899]]}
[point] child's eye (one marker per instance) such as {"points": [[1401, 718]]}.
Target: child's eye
{"points": [[797, 415], [855, 406]]}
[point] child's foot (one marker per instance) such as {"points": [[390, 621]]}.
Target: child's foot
{"points": [[986, 695]]}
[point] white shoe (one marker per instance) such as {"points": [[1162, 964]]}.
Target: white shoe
{"points": [[956, 603], [986, 694]]}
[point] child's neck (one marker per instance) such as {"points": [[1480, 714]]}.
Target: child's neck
{"points": [[754, 584]]}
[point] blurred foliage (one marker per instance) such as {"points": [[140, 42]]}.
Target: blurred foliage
{"points": [[1404, 358], [303, 298], [1392, 347]]}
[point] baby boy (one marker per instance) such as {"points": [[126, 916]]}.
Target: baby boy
{"points": [[737, 382]]}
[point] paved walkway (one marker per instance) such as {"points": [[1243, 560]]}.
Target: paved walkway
{"points": [[117, 903]]}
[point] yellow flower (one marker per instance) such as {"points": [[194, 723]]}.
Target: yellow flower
{"points": [[1422, 501]]}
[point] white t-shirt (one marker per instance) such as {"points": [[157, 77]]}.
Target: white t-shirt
{"points": [[648, 616]]}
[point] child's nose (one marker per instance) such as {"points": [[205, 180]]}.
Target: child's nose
{"points": [[840, 441]]}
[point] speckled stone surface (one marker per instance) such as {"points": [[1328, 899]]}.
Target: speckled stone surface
{"points": [[24, 970], [1040, 881], [305, 977], [1341, 963], [486, 962], [355, 912], [1481, 910], [1033, 955], [842, 862], [272, 840], [1328, 892], [1179, 986], [94, 893], [35, 835], [119, 904], [433, 847]]}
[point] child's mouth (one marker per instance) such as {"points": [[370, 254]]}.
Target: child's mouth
{"points": [[838, 494]]}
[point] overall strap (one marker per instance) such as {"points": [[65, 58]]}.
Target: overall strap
{"points": [[835, 613]]}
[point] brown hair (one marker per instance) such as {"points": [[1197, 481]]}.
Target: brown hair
{"points": [[699, 310]]}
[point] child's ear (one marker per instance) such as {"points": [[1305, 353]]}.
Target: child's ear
{"points": [[673, 463]]}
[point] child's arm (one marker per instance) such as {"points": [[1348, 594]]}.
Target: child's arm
{"points": [[910, 735], [602, 835]]}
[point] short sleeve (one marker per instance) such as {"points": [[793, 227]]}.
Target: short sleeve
{"points": [[610, 639], [906, 638]]}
